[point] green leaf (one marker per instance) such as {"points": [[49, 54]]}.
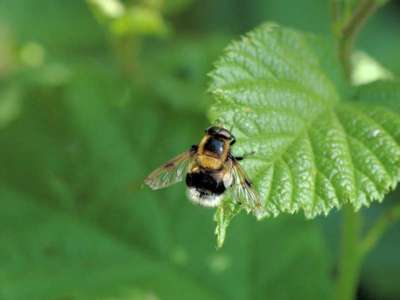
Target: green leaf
{"points": [[140, 20], [106, 10], [366, 69], [316, 149], [223, 216], [10, 105], [80, 261], [383, 264], [382, 92]]}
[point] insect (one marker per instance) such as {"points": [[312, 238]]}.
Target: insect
{"points": [[209, 169]]}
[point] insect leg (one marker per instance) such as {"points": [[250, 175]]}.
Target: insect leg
{"points": [[244, 156]]}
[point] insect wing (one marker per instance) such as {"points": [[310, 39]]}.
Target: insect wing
{"points": [[244, 191], [171, 172]]}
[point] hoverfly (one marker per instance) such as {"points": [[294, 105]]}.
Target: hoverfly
{"points": [[210, 169]]}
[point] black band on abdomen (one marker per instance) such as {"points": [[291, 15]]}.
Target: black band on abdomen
{"points": [[204, 181]]}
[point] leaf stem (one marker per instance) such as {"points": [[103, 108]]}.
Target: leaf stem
{"points": [[354, 249], [351, 28], [335, 14], [350, 256], [379, 228]]}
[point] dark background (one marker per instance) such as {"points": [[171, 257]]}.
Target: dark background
{"points": [[86, 112]]}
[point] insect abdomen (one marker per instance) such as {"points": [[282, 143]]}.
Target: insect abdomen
{"points": [[204, 181]]}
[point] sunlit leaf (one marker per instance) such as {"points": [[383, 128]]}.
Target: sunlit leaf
{"points": [[366, 69], [107, 9], [315, 149], [140, 20]]}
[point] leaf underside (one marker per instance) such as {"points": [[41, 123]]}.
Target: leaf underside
{"points": [[316, 148]]}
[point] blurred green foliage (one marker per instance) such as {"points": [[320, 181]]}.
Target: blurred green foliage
{"points": [[85, 114]]}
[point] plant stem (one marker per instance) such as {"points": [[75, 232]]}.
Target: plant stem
{"points": [[350, 256], [379, 228], [349, 32], [353, 248], [127, 49], [335, 15]]}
